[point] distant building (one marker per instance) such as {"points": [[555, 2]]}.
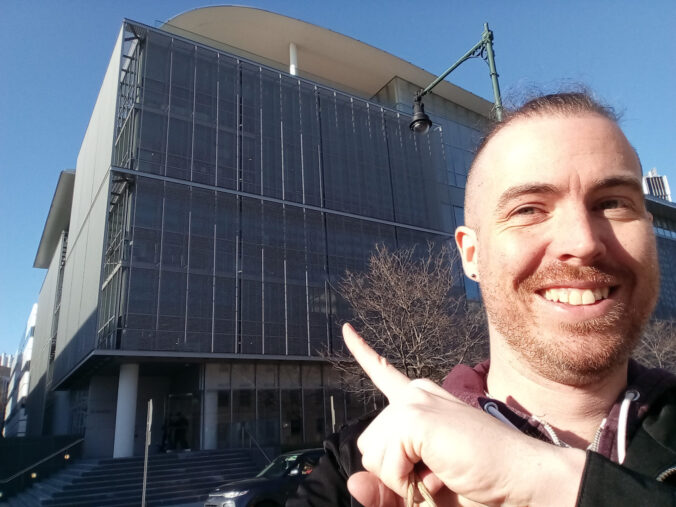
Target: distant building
{"points": [[14, 412], [4, 388], [656, 185], [664, 225]]}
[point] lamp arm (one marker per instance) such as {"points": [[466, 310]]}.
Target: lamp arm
{"points": [[486, 43], [470, 54]]}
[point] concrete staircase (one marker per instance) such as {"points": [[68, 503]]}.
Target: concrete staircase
{"points": [[173, 479]]}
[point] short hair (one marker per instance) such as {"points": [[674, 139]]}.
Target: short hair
{"points": [[554, 104]]}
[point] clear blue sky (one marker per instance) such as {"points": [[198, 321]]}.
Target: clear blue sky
{"points": [[54, 55]]}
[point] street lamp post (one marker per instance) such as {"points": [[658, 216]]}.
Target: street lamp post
{"points": [[484, 49]]}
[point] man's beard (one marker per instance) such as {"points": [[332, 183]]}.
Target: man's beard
{"points": [[579, 353]]}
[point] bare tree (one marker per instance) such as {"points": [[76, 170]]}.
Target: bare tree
{"points": [[407, 308], [658, 345]]}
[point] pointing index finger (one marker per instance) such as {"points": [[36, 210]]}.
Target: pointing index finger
{"points": [[386, 377]]}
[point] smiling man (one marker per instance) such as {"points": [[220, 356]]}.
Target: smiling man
{"points": [[561, 244]]}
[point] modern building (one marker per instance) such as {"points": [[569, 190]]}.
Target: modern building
{"points": [[664, 224], [14, 411], [656, 185], [236, 163], [5, 372]]}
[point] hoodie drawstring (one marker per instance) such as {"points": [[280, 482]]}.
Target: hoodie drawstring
{"points": [[629, 396], [492, 408]]}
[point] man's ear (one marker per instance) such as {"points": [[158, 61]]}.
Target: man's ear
{"points": [[466, 240]]}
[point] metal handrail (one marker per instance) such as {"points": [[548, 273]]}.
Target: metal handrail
{"points": [[251, 437], [40, 462]]}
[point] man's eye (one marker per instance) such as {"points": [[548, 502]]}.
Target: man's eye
{"points": [[526, 210], [612, 204]]}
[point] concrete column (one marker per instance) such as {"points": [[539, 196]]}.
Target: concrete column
{"points": [[293, 58], [125, 417], [210, 423]]}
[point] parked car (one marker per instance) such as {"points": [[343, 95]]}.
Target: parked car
{"points": [[271, 486]]}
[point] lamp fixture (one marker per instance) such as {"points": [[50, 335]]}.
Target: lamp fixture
{"points": [[421, 123]]}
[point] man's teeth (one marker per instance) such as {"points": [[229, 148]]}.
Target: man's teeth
{"points": [[577, 296]]}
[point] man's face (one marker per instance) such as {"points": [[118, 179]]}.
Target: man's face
{"points": [[565, 253]]}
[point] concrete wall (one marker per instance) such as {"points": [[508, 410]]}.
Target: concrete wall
{"points": [[41, 344], [82, 275]]}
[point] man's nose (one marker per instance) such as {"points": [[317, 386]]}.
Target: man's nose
{"points": [[578, 236]]}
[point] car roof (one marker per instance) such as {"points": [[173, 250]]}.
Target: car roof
{"points": [[299, 452]]}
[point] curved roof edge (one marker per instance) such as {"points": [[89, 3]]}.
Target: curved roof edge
{"points": [[323, 55], [57, 221]]}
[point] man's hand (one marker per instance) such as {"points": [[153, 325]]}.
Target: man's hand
{"points": [[463, 455]]}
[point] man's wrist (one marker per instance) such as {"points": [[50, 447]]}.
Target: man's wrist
{"points": [[555, 477]]}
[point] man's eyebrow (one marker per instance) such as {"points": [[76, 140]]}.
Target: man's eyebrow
{"points": [[525, 189], [546, 188], [618, 181]]}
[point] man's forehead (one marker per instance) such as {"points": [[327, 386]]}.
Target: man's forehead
{"points": [[552, 148]]}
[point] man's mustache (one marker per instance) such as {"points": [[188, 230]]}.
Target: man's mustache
{"points": [[562, 275]]}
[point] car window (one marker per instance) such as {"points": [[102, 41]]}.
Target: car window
{"points": [[279, 466]]}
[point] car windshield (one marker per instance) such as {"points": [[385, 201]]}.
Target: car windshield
{"points": [[280, 466]]}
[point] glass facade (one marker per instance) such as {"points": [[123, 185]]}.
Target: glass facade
{"points": [[239, 196], [247, 192], [286, 404]]}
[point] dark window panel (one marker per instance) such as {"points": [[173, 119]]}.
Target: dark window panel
{"points": [[172, 301], [204, 155], [297, 319], [252, 240], [200, 303], [142, 303], [179, 148], [157, 62], [148, 203], [311, 151], [271, 140], [182, 78], [292, 418], [225, 315], [206, 86], [252, 317], [273, 318], [267, 424], [152, 149], [251, 129]]}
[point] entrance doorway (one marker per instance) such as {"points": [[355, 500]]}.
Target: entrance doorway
{"points": [[181, 422]]}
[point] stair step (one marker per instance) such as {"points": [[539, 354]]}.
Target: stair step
{"points": [[173, 479]]}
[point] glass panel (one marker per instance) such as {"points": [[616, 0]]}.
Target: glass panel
{"points": [[251, 129], [267, 425], [228, 85], [289, 375], [271, 138], [314, 416], [157, 60], [312, 376], [292, 418], [266, 376], [224, 435], [243, 376]]}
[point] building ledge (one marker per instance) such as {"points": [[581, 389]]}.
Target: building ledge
{"points": [[324, 56], [58, 219]]}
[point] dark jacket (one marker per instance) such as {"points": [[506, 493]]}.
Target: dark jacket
{"points": [[647, 476]]}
